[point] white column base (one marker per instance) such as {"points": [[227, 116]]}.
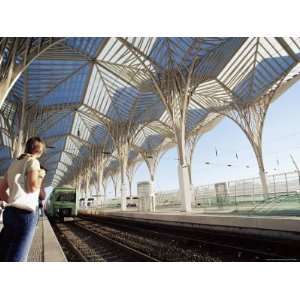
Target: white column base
{"points": [[185, 188], [100, 197], [264, 184], [193, 200], [123, 197], [152, 197]]}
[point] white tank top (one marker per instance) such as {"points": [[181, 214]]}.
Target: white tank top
{"points": [[16, 178]]}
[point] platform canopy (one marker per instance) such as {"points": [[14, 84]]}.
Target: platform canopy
{"points": [[73, 92]]}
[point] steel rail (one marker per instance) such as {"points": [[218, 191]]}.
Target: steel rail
{"points": [[125, 250]]}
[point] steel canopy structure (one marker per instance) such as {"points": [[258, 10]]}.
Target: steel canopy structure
{"points": [[103, 104]]}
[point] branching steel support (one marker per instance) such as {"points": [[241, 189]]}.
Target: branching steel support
{"points": [[121, 133], [250, 118], [131, 171], [152, 159], [19, 52]]}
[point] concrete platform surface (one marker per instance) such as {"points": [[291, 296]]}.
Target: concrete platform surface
{"points": [[216, 221], [45, 246]]}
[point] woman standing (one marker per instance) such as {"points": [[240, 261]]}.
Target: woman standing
{"points": [[23, 179]]}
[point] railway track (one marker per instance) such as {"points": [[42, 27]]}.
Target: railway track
{"points": [[215, 246], [161, 250], [82, 244]]}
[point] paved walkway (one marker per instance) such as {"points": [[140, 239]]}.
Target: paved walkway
{"points": [[45, 246], [36, 253]]}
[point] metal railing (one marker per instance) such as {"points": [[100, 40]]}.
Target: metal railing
{"points": [[243, 196]]}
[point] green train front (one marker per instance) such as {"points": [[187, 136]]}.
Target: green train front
{"points": [[63, 202]]}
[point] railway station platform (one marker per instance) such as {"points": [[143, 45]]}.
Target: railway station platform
{"points": [[45, 246], [277, 227]]}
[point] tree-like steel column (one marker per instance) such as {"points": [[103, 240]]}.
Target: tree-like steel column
{"points": [[152, 158], [104, 186], [251, 118], [22, 123], [175, 85], [87, 178], [123, 156], [78, 181], [15, 56], [190, 149], [192, 141], [99, 163], [252, 80], [130, 172], [9, 71], [115, 177], [122, 133], [99, 185], [175, 88], [20, 139]]}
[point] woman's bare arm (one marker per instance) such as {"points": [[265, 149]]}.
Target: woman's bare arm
{"points": [[3, 189], [42, 195]]}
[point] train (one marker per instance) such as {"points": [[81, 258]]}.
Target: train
{"points": [[62, 202]]}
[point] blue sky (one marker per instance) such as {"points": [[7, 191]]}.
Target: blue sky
{"points": [[281, 136]]}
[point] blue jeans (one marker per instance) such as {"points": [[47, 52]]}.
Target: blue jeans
{"points": [[17, 234]]}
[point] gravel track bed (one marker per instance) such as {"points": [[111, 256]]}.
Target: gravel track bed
{"points": [[159, 247]]}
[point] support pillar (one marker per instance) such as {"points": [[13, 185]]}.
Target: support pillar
{"points": [[20, 139], [191, 144], [175, 85], [12, 74], [115, 181], [100, 195], [152, 159], [104, 191], [258, 154], [130, 189], [152, 195], [100, 191], [184, 187], [183, 171], [250, 118], [131, 170], [123, 184], [121, 133], [20, 52], [87, 187]]}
